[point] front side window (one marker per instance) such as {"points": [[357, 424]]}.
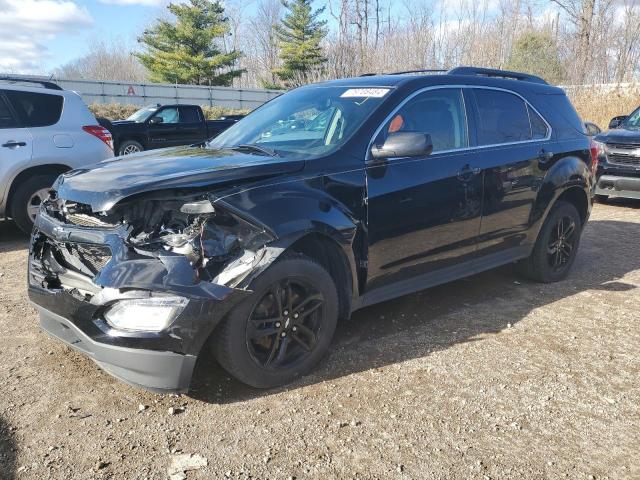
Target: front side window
{"points": [[633, 121], [36, 109], [6, 118], [439, 112], [502, 117], [313, 120], [168, 115]]}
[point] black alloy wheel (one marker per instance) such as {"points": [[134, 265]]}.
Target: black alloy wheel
{"points": [[285, 325], [562, 242], [284, 328]]}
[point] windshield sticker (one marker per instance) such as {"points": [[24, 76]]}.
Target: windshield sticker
{"points": [[365, 92]]}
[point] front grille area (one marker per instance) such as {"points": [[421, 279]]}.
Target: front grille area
{"points": [[623, 160], [83, 220], [95, 257], [87, 259]]}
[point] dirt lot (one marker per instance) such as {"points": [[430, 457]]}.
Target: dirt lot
{"points": [[489, 377]]}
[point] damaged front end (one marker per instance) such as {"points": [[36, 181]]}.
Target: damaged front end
{"points": [[148, 279]]}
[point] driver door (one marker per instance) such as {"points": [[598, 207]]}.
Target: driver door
{"points": [[424, 213], [165, 133]]}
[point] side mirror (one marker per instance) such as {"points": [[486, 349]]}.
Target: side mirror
{"points": [[404, 144], [156, 120], [617, 121]]}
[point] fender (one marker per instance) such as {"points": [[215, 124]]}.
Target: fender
{"points": [[330, 205], [566, 173]]}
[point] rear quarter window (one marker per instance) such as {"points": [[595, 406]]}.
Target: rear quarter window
{"points": [[36, 109]]}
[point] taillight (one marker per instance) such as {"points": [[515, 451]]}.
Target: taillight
{"points": [[594, 148], [100, 132]]}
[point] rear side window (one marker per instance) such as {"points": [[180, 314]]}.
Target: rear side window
{"points": [[503, 117], [6, 117], [36, 109], [539, 128], [189, 115]]}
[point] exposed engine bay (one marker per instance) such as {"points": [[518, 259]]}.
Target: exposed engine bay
{"points": [[221, 245]]}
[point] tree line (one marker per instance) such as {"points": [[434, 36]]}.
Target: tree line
{"points": [[286, 43]]}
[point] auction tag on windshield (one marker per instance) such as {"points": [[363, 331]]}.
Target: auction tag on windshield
{"points": [[365, 92]]}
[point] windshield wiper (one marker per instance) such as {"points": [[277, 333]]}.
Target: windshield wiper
{"points": [[255, 148]]}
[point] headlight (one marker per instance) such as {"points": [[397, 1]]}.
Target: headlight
{"points": [[145, 314]]}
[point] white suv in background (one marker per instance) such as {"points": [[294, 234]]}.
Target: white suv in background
{"points": [[44, 131]]}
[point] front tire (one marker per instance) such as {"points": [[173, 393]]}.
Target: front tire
{"points": [[284, 329], [130, 147], [556, 247], [26, 200]]}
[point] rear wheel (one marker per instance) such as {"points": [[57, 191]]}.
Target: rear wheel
{"points": [[27, 198], [556, 247], [129, 147], [284, 329]]}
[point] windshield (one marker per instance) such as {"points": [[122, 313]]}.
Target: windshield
{"points": [[311, 120], [633, 120], [142, 114]]}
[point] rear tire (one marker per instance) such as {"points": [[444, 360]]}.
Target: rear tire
{"points": [[261, 343], [129, 147], [556, 247], [26, 200]]}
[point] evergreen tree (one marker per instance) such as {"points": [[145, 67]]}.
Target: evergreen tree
{"points": [[187, 49], [299, 36], [537, 53]]}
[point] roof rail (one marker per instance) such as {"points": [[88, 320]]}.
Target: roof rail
{"points": [[29, 79], [491, 72], [423, 70]]}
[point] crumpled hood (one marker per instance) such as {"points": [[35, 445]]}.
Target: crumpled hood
{"points": [[106, 183], [620, 135]]}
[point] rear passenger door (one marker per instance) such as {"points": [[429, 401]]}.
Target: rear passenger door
{"points": [[192, 128], [16, 145], [511, 138]]}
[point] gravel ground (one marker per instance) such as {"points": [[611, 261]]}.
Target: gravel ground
{"points": [[488, 377]]}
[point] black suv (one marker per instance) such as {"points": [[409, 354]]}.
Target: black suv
{"points": [[327, 199], [618, 173]]}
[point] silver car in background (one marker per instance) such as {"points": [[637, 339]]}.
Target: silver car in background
{"points": [[44, 131]]}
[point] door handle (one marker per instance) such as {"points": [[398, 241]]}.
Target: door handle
{"points": [[467, 172], [13, 144], [544, 156]]}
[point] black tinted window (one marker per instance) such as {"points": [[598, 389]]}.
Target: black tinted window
{"points": [[539, 129], [36, 109], [6, 118], [440, 113], [189, 115], [502, 118]]}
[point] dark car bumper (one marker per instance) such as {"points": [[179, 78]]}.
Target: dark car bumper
{"points": [[150, 369], [72, 303], [618, 186]]}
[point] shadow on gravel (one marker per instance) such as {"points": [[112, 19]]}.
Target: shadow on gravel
{"points": [[11, 237], [7, 452], [414, 326]]}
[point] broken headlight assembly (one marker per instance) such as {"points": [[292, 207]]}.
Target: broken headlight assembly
{"points": [[210, 237]]}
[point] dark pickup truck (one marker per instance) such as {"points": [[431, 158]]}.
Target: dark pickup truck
{"points": [[160, 126], [618, 173]]}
